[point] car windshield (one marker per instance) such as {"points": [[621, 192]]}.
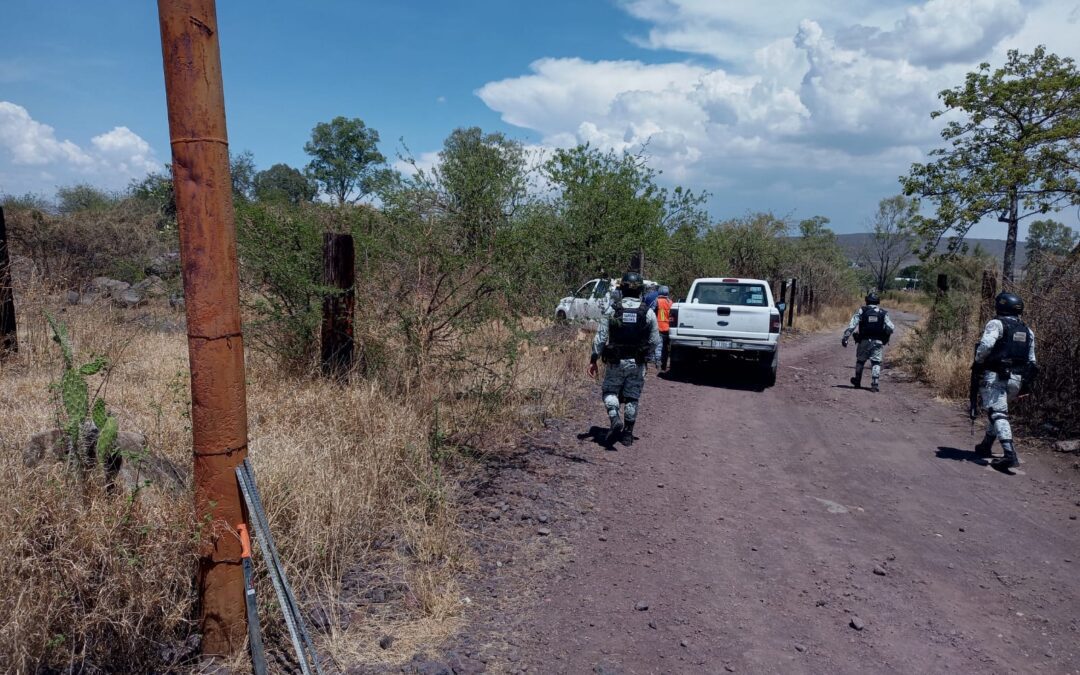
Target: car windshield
{"points": [[586, 291], [602, 288], [727, 293]]}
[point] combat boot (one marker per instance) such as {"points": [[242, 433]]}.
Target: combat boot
{"points": [[1009, 460], [856, 382], [985, 449], [614, 433], [628, 434], [873, 386]]}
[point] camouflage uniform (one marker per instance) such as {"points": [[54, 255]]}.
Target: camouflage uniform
{"points": [[867, 349], [624, 379], [999, 386]]}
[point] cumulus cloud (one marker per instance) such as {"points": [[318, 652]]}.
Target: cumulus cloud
{"points": [[30, 153], [813, 98], [941, 31]]}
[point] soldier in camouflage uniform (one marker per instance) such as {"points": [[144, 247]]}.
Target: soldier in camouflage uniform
{"points": [[1005, 364], [626, 339], [872, 328]]}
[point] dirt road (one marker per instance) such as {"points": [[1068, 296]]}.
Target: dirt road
{"points": [[810, 527]]}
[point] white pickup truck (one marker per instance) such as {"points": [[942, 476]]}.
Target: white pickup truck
{"points": [[726, 317]]}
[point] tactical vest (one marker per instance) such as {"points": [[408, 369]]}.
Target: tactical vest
{"points": [[628, 334], [1012, 348], [872, 324]]}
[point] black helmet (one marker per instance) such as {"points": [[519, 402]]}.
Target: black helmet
{"points": [[631, 285], [872, 298], [1008, 304], [664, 291]]}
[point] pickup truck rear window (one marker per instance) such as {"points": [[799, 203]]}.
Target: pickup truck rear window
{"points": [[716, 293]]}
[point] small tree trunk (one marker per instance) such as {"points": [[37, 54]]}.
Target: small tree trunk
{"points": [[794, 296], [9, 340], [339, 272], [1013, 219]]}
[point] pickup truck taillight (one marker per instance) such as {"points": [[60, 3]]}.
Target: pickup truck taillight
{"points": [[673, 317], [774, 323]]}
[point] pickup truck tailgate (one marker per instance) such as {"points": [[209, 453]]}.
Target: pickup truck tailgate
{"points": [[714, 320]]}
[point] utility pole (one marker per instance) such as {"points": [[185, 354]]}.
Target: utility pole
{"points": [[204, 213], [9, 334], [339, 272]]}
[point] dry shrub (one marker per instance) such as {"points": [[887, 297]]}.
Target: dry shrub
{"points": [[1052, 299], [360, 483], [825, 317], [71, 248]]}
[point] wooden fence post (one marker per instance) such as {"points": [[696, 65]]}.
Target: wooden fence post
{"points": [[794, 296], [987, 294], [339, 272], [9, 339], [782, 297]]}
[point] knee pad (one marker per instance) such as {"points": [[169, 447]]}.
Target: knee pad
{"points": [[996, 416], [631, 409], [611, 400]]}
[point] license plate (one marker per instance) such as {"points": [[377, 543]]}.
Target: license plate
{"points": [[721, 344]]}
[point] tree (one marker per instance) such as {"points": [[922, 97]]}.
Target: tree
{"points": [[609, 206], [1049, 236], [242, 172], [282, 182], [83, 197], [890, 240], [484, 180], [1014, 153], [346, 162]]}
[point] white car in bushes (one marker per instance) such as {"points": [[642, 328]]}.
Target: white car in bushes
{"points": [[729, 318], [589, 301]]}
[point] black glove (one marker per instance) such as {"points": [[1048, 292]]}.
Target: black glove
{"points": [[844, 341], [594, 357]]}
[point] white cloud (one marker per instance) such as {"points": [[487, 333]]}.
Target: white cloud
{"points": [[941, 31], [32, 158], [814, 106]]}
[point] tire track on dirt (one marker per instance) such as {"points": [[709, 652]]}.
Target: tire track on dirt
{"points": [[757, 525]]}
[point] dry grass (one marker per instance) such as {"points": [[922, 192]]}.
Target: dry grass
{"points": [[360, 481]]}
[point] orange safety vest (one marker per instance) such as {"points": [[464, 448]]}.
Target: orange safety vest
{"points": [[663, 314]]}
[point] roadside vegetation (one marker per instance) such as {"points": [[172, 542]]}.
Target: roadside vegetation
{"points": [[459, 267]]}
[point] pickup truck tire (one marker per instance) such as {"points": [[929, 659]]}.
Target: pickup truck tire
{"points": [[560, 317], [677, 360], [768, 369]]}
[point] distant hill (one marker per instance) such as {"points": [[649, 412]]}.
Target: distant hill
{"points": [[853, 243]]}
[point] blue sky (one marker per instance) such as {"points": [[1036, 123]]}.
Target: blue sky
{"points": [[803, 108]]}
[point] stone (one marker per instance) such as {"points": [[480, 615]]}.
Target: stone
{"points": [[799, 647], [857, 623], [641, 606], [152, 285], [320, 619], [1067, 446], [72, 297], [543, 532], [129, 298], [878, 570], [165, 264], [386, 641]]}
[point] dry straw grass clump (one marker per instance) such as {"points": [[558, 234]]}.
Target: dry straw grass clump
{"points": [[360, 481]]}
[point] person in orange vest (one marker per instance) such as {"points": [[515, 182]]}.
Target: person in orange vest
{"points": [[663, 322]]}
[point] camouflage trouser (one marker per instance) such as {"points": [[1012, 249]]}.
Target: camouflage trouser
{"points": [[622, 385], [996, 392], [871, 350]]}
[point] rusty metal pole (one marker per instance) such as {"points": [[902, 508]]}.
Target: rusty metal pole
{"points": [[339, 272], [9, 334], [200, 152]]}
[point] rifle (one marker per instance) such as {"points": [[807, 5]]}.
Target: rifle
{"points": [[973, 393]]}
